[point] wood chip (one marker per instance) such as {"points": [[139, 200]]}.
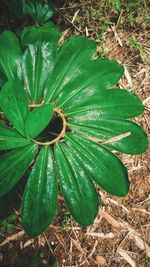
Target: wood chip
{"points": [[109, 218], [93, 249], [110, 200], [101, 261], [113, 139], [61, 241], [125, 255], [117, 138], [28, 243], [127, 75], [146, 101], [140, 243], [41, 241], [11, 238], [75, 15], [117, 36], [101, 235], [142, 210], [86, 31], [78, 246], [135, 236], [62, 38]]}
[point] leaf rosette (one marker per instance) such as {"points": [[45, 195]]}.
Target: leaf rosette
{"points": [[62, 118]]}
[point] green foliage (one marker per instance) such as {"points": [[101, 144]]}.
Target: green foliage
{"points": [[8, 224], [133, 43], [40, 192], [134, 12], [116, 5], [61, 102], [39, 10], [10, 56], [14, 104], [95, 13], [134, 5]]}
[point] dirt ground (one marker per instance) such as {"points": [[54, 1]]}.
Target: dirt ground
{"points": [[120, 235]]}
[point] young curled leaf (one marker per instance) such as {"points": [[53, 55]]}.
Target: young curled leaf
{"points": [[38, 119]]}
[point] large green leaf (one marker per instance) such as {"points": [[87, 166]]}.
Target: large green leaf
{"points": [[14, 104], [40, 196], [39, 10], [3, 78], [35, 33], [38, 59], [111, 103], [88, 80], [9, 138], [131, 138], [71, 56], [105, 168], [13, 166], [76, 185], [10, 55], [38, 119]]}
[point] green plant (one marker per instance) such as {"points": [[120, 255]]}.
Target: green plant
{"points": [[133, 43], [135, 11], [132, 19], [134, 5], [39, 10], [7, 224], [62, 119], [116, 5]]}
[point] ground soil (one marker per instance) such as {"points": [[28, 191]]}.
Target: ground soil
{"points": [[120, 235]]}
